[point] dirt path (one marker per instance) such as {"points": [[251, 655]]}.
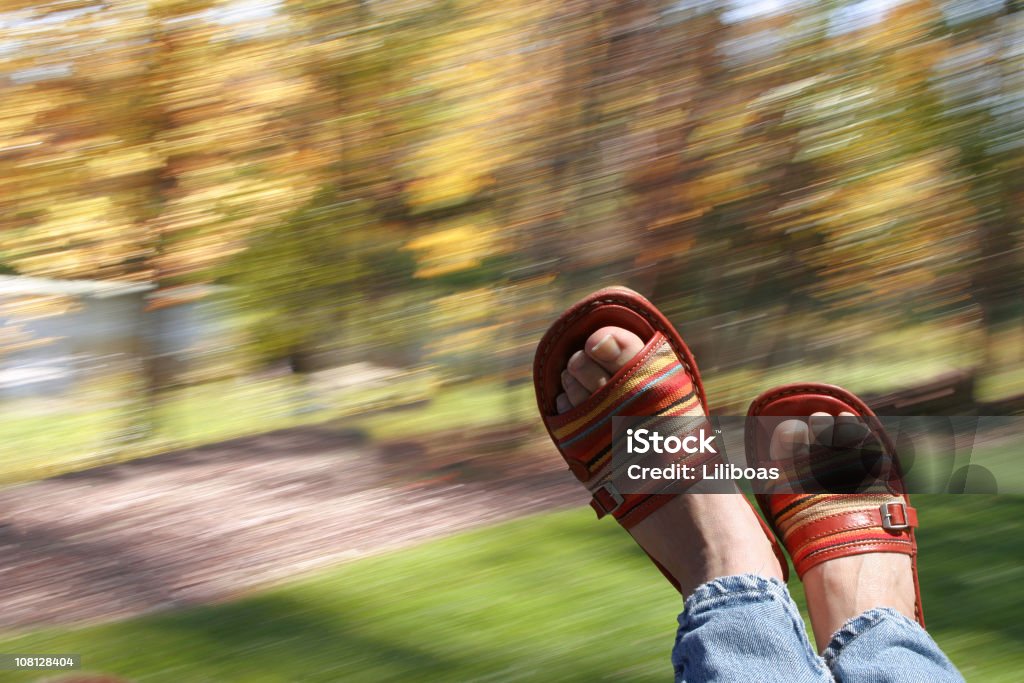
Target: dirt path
{"points": [[206, 524]]}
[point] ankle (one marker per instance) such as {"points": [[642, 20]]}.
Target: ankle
{"points": [[841, 589], [700, 537]]}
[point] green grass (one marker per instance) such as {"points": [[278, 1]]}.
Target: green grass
{"points": [[475, 404], [554, 597], [41, 440], [887, 359], [1003, 384]]}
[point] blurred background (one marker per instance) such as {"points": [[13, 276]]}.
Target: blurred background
{"points": [[302, 251]]}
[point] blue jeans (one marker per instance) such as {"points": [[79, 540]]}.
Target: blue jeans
{"points": [[747, 628]]}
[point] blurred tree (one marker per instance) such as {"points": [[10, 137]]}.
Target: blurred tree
{"points": [[69, 196], [315, 281], [353, 165], [141, 151], [980, 82]]}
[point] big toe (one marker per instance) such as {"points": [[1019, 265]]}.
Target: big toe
{"points": [[613, 347]]}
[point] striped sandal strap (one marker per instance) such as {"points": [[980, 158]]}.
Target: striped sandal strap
{"points": [[815, 528], [655, 384]]}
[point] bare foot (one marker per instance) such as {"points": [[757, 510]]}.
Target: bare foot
{"points": [[696, 537], [845, 587]]}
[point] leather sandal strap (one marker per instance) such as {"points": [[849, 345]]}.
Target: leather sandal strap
{"points": [[648, 494], [654, 384], [816, 528], [892, 517]]}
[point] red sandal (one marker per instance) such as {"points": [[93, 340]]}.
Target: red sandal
{"points": [[816, 528], [662, 380]]}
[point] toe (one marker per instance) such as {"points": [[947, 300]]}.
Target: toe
{"points": [[850, 431], [821, 427], [613, 347], [562, 403], [789, 439], [577, 392], [586, 371]]}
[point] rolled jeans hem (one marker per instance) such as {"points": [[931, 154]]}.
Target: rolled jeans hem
{"points": [[857, 626], [775, 646], [886, 646], [748, 587]]}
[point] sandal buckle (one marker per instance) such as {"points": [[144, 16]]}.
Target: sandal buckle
{"points": [[609, 488], [887, 516]]}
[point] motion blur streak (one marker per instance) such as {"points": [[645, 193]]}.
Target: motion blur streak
{"points": [[301, 251]]}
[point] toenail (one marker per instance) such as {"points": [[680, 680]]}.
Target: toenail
{"points": [[575, 360], [607, 348]]}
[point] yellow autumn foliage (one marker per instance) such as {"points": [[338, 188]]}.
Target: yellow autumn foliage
{"points": [[452, 249]]}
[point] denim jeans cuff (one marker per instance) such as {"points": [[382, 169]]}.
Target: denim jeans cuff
{"points": [[858, 625], [742, 588]]}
